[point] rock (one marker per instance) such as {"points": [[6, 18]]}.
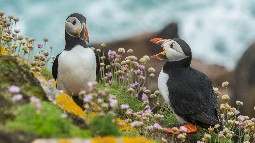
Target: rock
{"points": [[11, 73], [244, 81], [141, 46]]}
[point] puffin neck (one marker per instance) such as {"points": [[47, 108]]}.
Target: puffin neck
{"points": [[73, 41], [184, 63]]}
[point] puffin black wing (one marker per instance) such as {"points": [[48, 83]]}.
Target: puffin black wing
{"points": [[192, 97], [55, 68]]}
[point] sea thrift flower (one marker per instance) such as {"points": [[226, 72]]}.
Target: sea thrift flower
{"points": [[130, 51], [124, 106], [216, 90], [144, 97], [39, 45], [225, 97], [103, 45], [88, 98], [121, 50], [16, 30], [181, 137], [34, 99], [239, 103], [64, 115], [151, 70], [158, 116], [98, 50], [183, 129], [137, 124], [225, 84], [17, 97], [14, 89], [108, 74]]}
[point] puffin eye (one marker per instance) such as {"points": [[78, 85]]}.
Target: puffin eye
{"points": [[172, 45], [74, 22]]}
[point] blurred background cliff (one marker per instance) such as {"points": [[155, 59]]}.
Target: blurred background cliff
{"points": [[220, 33]]}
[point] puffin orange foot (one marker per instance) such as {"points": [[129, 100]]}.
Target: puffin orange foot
{"points": [[170, 130], [191, 128]]}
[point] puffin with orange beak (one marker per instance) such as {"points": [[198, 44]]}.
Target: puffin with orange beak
{"points": [[188, 92], [77, 64]]}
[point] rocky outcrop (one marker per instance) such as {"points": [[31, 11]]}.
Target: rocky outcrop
{"points": [[244, 81]]}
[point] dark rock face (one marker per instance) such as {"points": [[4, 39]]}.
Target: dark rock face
{"points": [[244, 81], [141, 46]]}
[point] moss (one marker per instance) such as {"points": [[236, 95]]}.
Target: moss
{"points": [[123, 96], [47, 123], [169, 117], [104, 125], [11, 73], [46, 73]]}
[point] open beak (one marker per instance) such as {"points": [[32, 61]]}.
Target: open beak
{"points": [[86, 33], [161, 55]]}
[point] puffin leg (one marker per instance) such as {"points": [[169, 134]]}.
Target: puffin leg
{"points": [[170, 130], [191, 128]]}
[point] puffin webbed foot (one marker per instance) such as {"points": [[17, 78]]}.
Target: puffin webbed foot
{"points": [[190, 129]]}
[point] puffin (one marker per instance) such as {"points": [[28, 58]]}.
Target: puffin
{"points": [[187, 91], [77, 64]]}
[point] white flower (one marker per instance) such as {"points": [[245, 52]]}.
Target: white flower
{"points": [[225, 84], [136, 124]]}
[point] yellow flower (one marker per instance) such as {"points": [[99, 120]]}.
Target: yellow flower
{"points": [[64, 141], [3, 51], [124, 126], [136, 140], [108, 139], [67, 103]]}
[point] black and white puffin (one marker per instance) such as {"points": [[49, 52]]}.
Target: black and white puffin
{"points": [[187, 91], [77, 64]]}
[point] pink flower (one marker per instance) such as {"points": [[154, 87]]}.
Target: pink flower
{"points": [[144, 97], [34, 99], [158, 116], [157, 126], [124, 106], [87, 98], [64, 115], [136, 124], [14, 89], [16, 30], [17, 97], [39, 45], [183, 129]]}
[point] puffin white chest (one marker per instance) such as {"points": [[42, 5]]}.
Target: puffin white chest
{"points": [[76, 68], [162, 85]]}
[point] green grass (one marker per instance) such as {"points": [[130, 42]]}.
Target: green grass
{"points": [[123, 96], [104, 125], [47, 123]]}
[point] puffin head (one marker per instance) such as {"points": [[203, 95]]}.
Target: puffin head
{"points": [[75, 26], [173, 49]]}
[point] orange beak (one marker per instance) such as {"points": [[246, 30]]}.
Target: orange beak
{"points": [[161, 55], [86, 33]]}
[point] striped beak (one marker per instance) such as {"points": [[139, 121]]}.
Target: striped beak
{"points": [[161, 55]]}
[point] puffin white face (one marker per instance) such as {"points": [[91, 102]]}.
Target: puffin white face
{"points": [[173, 50], [73, 26]]}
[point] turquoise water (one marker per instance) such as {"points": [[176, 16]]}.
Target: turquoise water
{"points": [[217, 31]]}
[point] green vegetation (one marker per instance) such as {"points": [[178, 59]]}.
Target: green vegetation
{"points": [[104, 125], [46, 122]]}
